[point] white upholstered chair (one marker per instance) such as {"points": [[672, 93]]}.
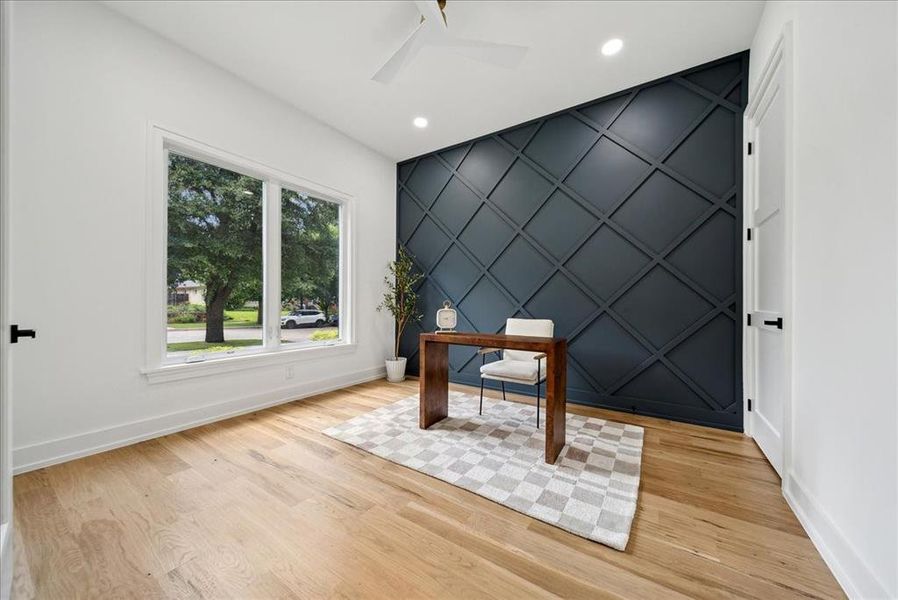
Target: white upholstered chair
{"points": [[518, 366]]}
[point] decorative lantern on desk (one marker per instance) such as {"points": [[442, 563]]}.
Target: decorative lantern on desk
{"points": [[446, 318]]}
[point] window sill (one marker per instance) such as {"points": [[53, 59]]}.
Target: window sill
{"points": [[228, 364]]}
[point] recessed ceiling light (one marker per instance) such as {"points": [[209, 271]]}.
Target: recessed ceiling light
{"points": [[420, 122], [612, 47]]}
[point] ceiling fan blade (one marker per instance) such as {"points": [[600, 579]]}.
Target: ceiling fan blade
{"points": [[501, 55], [401, 57], [430, 10]]}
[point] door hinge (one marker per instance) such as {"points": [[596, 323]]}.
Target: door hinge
{"points": [[748, 319], [749, 404], [748, 234], [749, 148]]}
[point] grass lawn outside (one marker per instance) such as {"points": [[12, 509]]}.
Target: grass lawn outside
{"points": [[238, 318], [215, 346]]}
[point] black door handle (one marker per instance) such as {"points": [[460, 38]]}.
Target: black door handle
{"points": [[15, 333], [778, 323]]}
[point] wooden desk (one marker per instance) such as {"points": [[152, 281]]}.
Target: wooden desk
{"points": [[434, 377]]}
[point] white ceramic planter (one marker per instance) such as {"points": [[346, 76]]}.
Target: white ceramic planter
{"points": [[396, 369]]}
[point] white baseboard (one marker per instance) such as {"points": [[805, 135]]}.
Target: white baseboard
{"points": [[849, 569], [6, 562], [51, 452]]}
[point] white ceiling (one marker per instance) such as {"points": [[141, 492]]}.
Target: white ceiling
{"points": [[320, 56]]}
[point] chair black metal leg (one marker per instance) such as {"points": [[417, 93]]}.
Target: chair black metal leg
{"points": [[481, 396], [537, 405], [539, 371], [503, 390]]}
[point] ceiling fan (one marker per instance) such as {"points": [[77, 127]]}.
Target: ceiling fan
{"points": [[433, 30]]}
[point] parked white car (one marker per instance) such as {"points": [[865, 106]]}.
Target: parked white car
{"points": [[303, 318]]}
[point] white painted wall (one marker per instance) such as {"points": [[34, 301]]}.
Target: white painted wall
{"points": [[85, 84], [843, 475]]}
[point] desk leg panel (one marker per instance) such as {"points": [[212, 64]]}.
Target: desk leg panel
{"points": [[556, 401], [433, 383]]}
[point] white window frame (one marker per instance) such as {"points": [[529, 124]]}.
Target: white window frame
{"points": [[158, 367]]}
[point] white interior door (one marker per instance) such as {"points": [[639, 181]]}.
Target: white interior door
{"points": [[768, 262]]}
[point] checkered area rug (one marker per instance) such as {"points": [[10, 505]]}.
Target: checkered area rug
{"points": [[590, 491]]}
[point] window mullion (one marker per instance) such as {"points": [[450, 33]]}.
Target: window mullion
{"points": [[272, 266]]}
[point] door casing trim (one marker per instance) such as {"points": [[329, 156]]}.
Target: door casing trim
{"points": [[7, 522]]}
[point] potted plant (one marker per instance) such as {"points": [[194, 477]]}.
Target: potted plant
{"points": [[401, 301]]}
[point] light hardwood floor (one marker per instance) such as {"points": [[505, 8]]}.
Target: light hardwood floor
{"points": [[265, 506]]}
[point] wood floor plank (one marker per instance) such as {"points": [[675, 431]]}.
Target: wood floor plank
{"points": [[266, 506]]}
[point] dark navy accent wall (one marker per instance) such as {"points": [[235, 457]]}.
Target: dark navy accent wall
{"points": [[621, 220]]}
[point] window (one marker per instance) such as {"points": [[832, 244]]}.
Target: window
{"points": [[310, 264], [215, 276], [255, 260]]}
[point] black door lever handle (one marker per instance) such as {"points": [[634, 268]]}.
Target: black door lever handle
{"points": [[15, 333], [778, 323]]}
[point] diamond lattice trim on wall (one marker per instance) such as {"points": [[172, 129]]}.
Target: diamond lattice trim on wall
{"points": [[620, 220]]}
